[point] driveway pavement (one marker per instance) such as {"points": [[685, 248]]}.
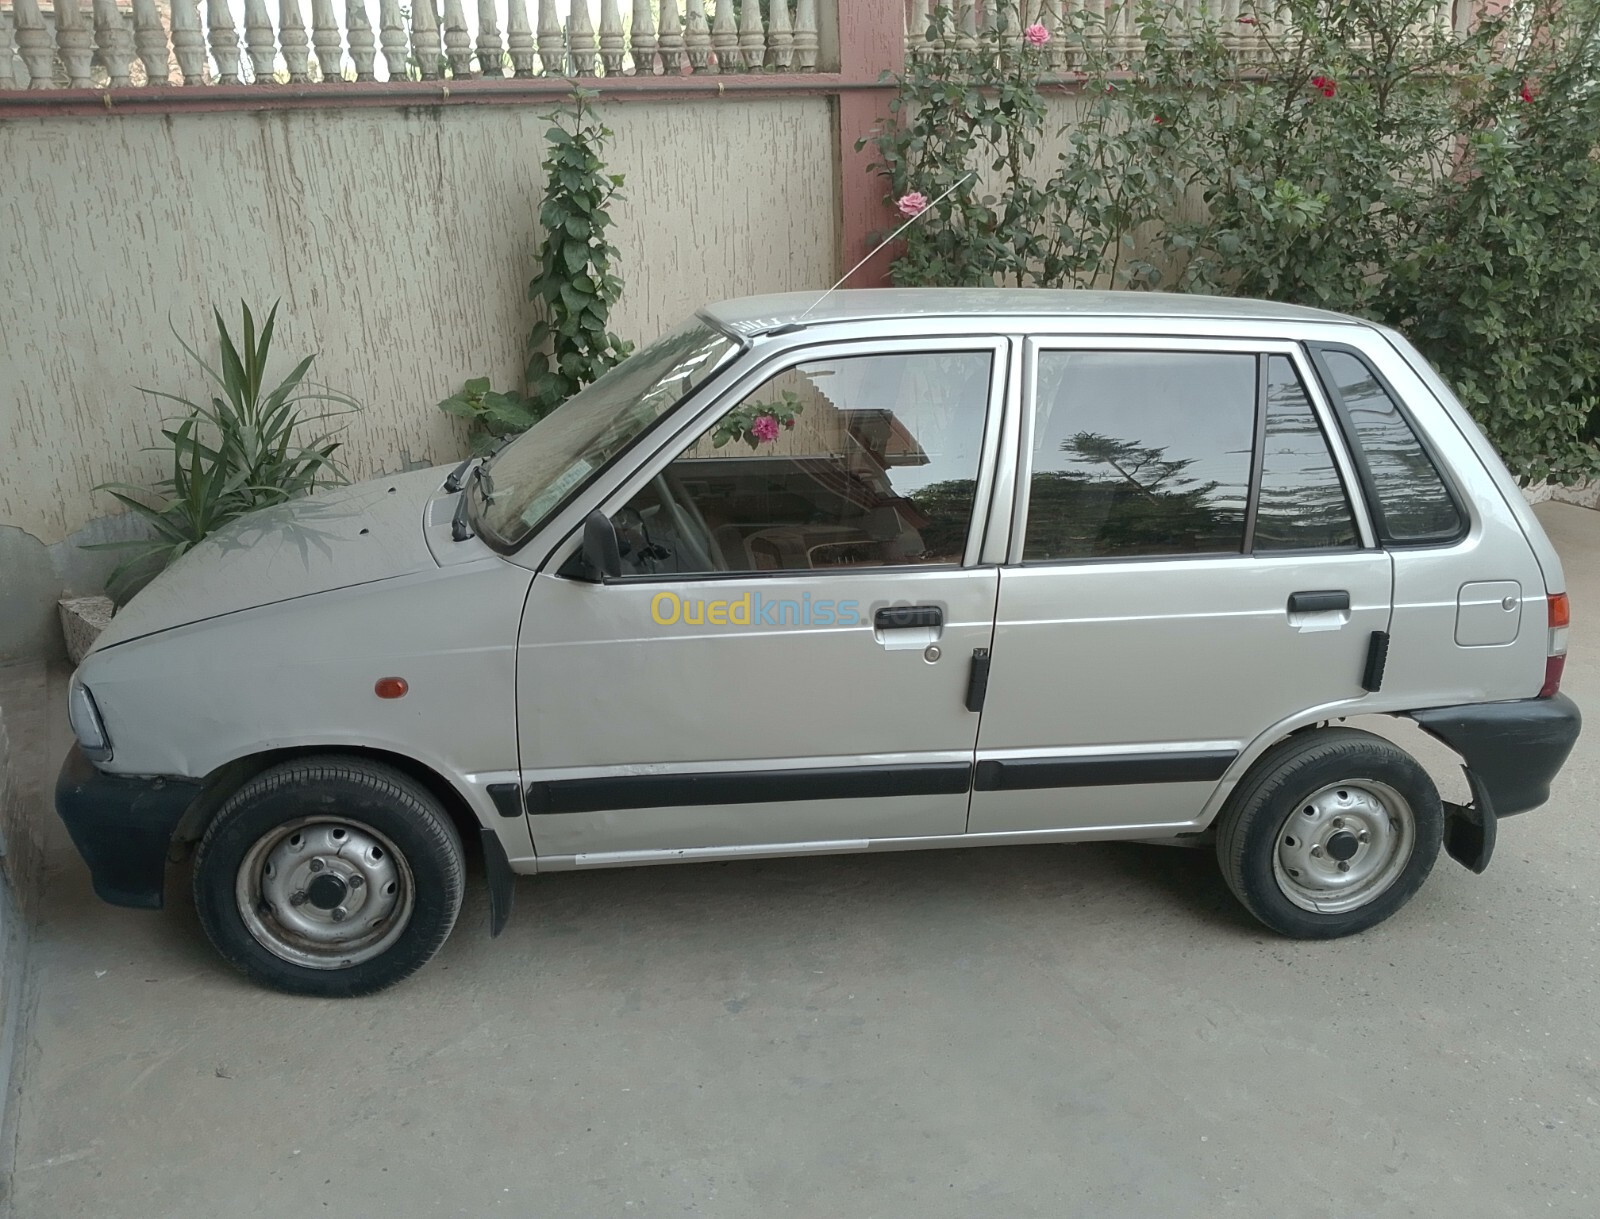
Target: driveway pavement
{"points": [[1009, 1032]]}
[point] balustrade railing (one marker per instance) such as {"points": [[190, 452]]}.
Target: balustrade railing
{"points": [[1248, 26], [123, 43]]}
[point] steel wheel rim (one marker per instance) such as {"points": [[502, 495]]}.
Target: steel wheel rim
{"points": [[1343, 846], [325, 892]]}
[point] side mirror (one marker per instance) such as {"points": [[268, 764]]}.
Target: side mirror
{"points": [[601, 554]]}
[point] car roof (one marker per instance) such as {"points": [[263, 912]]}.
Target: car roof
{"points": [[749, 316]]}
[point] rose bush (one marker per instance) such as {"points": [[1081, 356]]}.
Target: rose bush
{"points": [[1370, 163]]}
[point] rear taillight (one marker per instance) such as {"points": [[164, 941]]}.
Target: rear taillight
{"points": [[1556, 652]]}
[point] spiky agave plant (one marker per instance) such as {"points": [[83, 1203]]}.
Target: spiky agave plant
{"points": [[243, 450]]}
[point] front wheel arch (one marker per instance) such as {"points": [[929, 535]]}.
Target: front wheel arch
{"points": [[228, 778], [329, 876]]}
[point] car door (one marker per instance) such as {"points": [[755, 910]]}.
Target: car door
{"points": [[784, 659], [1189, 565]]}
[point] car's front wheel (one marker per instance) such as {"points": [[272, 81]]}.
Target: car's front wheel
{"points": [[329, 876], [1330, 833]]}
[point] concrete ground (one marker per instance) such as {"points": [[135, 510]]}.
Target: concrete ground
{"points": [[1043, 1031]]}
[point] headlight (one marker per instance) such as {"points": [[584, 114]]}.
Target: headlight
{"points": [[86, 723]]}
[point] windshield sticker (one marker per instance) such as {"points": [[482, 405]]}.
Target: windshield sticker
{"points": [[557, 491]]}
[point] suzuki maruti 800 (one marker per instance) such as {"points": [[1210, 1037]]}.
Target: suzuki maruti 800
{"points": [[888, 570]]}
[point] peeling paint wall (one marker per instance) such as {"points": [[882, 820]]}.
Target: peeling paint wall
{"points": [[400, 243]]}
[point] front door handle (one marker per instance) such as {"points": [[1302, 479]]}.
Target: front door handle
{"points": [[1319, 602], [906, 617]]}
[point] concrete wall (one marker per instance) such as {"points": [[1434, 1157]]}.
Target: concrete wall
{"points": [[400, 242]]}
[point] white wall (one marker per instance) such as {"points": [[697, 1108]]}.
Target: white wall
{"points": [[400, 243]]}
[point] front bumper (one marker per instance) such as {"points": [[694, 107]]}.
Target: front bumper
{"points": [[122, 826], [1512, 752]]}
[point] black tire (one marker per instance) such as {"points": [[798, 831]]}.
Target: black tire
{"points": [[1320, 775], [401, 826]]}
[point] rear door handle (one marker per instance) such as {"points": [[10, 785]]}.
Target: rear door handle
{"points": [[906, 617], [1319, 602]]}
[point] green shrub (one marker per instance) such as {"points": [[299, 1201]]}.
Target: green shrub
{"points": [[1370, 164], [245, 449]]}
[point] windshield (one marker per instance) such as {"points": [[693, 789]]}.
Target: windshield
{"points": [[532, 475]]}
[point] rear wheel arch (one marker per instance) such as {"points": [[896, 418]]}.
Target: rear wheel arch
{"points": [[1366, 781]]}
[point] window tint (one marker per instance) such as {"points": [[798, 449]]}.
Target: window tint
{"points": [[1303, 504], [1140, 453], [863, 461], [1413, 505]]}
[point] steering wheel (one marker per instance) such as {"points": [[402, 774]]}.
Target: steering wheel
{"points": [[694, 535]]}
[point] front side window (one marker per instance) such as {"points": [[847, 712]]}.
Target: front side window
{"points": [[847, 462], [531, 477], [1303, 504], [1412, 504], [1139, 453]]}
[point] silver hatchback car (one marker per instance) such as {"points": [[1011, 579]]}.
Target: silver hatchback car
{"points": [[883, 570]]}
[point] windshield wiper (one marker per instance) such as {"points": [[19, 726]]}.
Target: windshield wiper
{"points": [[460, 528], [453, 483]]}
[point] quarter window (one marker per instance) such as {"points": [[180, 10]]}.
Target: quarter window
{"points": [[1140, 453], [860, 461], [1303, 504], [1413, 504]]}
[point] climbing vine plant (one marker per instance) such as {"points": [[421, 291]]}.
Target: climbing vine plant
{"points": [[571, 342]]}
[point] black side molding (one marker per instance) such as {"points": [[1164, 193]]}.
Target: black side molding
{"points": [[1377, 659], [507, 798], [1512, 750], [748, 787], [1023, 774]]}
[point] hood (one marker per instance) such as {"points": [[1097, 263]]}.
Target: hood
{"points": [[333, 539]]}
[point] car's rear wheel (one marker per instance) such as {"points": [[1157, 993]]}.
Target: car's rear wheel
{"points": [[1330, 833], [329, 876]]}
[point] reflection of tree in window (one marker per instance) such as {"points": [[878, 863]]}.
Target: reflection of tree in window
{"points": [[1140, 453], [1130, 500], [1303, 504], [1411, 496]]}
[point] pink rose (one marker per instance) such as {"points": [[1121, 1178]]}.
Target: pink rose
{"points": [[1036, 35], [913, 204], [764, 429]]}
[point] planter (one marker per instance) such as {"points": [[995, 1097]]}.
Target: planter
{"points": [[82, 620]]}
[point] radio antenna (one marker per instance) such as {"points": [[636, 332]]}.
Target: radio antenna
{"points": [[800, 321]]}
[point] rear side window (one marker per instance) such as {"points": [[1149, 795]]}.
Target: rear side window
{"points": [[1303, 505], [1140, 453], [1412, 504]]}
